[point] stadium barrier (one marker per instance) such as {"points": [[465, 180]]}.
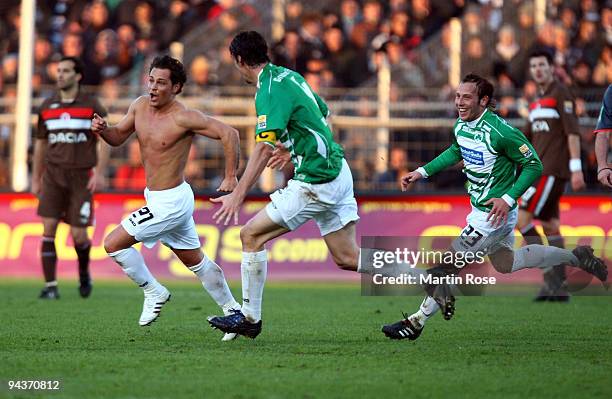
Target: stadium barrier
{"points": [[300, 255]]}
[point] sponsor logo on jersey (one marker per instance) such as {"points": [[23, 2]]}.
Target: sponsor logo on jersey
{"points": [[472, 156], [524, 149], [540, 126], [262, 122], [282, 76], [68, 138]]}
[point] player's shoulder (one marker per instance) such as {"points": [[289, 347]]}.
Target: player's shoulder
{"points": [[497, 126], [52, 101], [561, 91], [140, 102]]}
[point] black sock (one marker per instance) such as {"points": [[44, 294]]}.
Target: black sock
{"points": [[49, 258], [531, 235], [83, 255]]}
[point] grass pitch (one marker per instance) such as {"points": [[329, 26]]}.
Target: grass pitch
{"points": [[319, 341]]}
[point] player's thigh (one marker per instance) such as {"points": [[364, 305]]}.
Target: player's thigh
{"points": [[524, 218], [293, 205], [342, 245], [260, 229], [118, 239], [53, 199], [480, 236], [80, 202], [183, 236]]}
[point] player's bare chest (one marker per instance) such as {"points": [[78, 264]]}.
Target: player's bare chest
{"points": [[157, 132]]}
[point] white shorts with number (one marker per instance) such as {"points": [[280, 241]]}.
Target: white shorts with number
{"points": [[480, 235], [332, 205], [167, 217]]}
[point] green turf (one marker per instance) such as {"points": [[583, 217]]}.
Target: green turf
{"points": [[319, 340]]}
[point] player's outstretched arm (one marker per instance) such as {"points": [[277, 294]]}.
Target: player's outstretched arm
{"points": [[230, 203], [604, 170], [118, 134], [210, 127]]}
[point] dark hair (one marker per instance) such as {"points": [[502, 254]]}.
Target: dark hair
{"points": [[176, 68], [78, 64], [484, 87], [542, 53], [251, 47]]}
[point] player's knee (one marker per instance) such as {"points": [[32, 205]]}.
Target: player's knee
{"points": [[502, 261], [110, 245], [249, 238], [346, 261]]}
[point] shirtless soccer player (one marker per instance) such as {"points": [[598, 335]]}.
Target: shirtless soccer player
{"points": [[165, 128]]}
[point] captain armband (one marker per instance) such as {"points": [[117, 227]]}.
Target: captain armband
{"points": [[266, 137]]}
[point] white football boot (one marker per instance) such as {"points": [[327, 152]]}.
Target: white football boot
{"points": [[152, 306]]}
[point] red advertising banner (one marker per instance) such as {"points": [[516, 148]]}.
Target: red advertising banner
{"points": [[298, 255]]}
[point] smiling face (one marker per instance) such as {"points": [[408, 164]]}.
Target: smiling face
{"points": [[467, 103], [161, 89]]}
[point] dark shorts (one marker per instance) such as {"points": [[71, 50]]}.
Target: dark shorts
{"points": [[65, 196], [542, 198]]}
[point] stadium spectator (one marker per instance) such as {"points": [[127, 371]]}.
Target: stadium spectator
{"points": [[602, 73], [424, 20], [126, 49], [476, 60], [199, 71], [350, 15], [507, 46], [143, 19], [131, 176], [66, 171], [293, 15], [398, 167], [288, 51], [342, 59]]}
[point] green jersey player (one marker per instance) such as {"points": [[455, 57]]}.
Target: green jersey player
{"points": [[491, 151], [322, 188]]}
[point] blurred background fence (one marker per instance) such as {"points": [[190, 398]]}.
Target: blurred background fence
{"points": [[387, 69]]}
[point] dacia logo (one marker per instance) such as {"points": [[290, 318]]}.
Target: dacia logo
{"points": [[540, 126]]}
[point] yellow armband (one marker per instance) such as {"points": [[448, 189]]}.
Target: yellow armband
{"points": [[266, 137]]}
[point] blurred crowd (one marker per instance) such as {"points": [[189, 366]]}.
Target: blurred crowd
{"points": [[338, 44]]}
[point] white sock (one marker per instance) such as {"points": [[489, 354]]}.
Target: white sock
{"points": [[255, 266], [132, 263], [541, 257], [427, 309], [213, 280]]}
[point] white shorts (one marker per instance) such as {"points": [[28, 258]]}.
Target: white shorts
{"points": [[332, 205], [480, 235], [167, 216]]}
